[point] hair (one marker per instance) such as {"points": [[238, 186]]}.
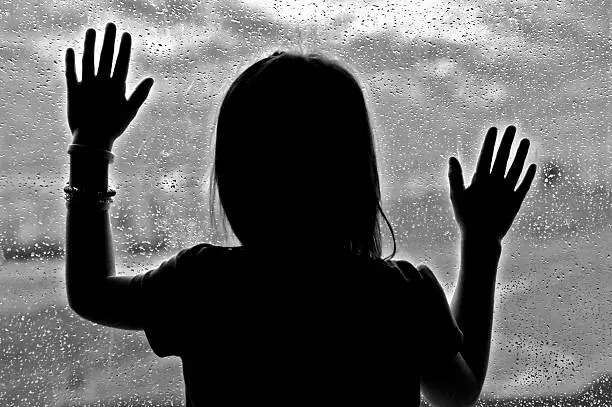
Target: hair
{"points": [[294, 160]]}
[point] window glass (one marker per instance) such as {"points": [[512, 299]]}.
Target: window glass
{"points": [[436, 74]]}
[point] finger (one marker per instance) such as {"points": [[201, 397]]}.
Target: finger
{"points": [[455, 178], [499, 167], [522, 190], [108, 49], [71, 77], [519, 160], [72, 89], [138, 97], [88, 56], [483, 168], [123, 59]]}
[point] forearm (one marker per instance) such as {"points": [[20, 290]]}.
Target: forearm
{"points": [[94, 292], [473, 301], [89, 248]]}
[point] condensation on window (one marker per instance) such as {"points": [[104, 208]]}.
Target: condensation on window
{"points": [[436, 74]]}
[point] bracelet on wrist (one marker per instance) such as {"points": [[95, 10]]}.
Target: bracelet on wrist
{"points": [[99, 205], [98, 199], [91, 151]]}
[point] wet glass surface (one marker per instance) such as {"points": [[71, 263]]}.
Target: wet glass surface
{"points": [[436, 74]]}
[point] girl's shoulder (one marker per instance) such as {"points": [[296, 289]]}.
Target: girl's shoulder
{"points": [[202, 251], [422, 280], [414, 274]]}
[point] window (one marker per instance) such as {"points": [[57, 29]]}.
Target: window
{"points": [[437, 74]]}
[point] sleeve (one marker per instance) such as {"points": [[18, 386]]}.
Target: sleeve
{"points": [[165, 291], [439, 336]]}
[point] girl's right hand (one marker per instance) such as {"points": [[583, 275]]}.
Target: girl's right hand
{"points": [[98, 111], [487, 208]]}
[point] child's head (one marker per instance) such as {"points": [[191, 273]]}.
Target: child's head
{"points": [[294, 164]]}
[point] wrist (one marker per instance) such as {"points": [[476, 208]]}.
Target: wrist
{"points": [[89, 162], [88, 174], [484, 249], [92, 139], [485, 239]]}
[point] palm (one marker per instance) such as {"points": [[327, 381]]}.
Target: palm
{"points": [[488, 206], [98, 110], [89, 104]]}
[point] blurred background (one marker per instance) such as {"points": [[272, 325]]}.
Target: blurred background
{"points": [[436, 75]]}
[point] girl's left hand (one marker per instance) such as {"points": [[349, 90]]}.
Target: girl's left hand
{"points": [[98, 111], [486, 209]]}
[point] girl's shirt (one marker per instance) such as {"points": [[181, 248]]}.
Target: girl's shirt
{"points": [[296, 329]]}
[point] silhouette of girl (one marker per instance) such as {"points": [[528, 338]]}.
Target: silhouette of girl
{"points": [[305, 311]]}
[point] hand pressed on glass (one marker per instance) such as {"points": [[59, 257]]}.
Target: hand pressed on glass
{"points": [[488, 206], [98, 111]]}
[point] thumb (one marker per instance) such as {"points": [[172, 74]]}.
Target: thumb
{"points": [[138, 97], [455, 179]]}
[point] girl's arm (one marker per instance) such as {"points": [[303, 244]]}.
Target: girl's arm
{"points": [[484, 211], [98, 113]]}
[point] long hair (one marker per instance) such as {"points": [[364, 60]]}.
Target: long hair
{"points": [[294, 159]]}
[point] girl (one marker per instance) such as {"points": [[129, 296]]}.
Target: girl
{"points": [[305, 311]]}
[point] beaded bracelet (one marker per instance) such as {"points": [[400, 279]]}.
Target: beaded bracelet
{"points": [[110, 157], [99, 199]]}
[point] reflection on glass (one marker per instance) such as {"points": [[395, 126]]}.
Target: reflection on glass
{"points": [[437, 75]]}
